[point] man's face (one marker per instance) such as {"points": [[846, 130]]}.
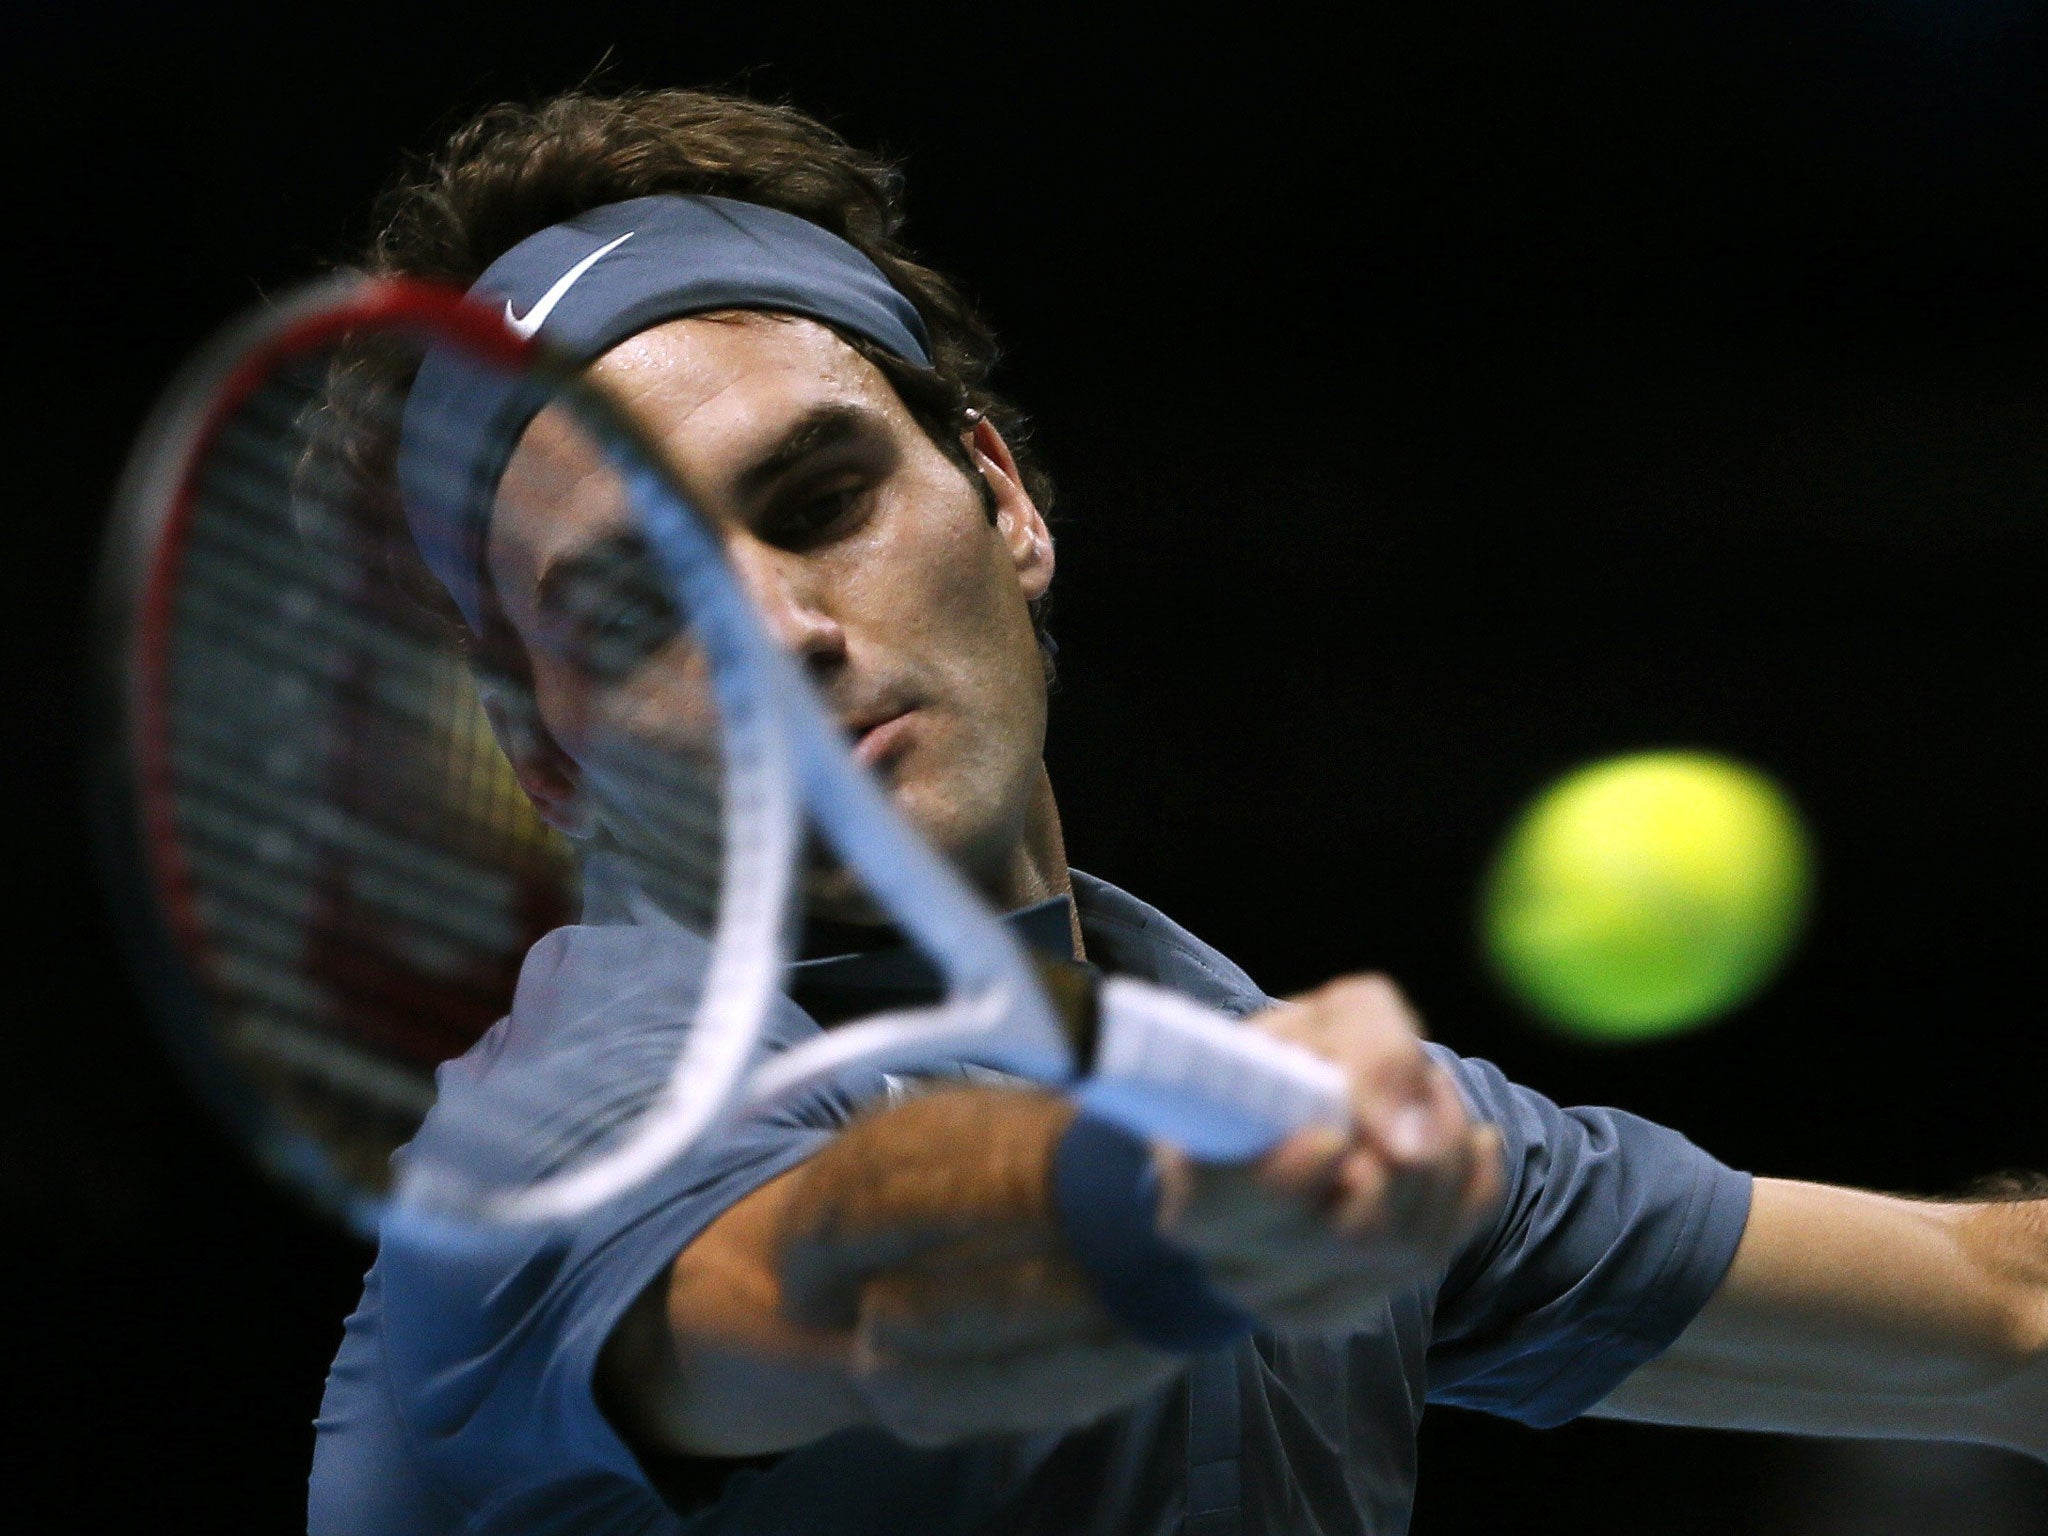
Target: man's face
{"points": [[870, 552]]}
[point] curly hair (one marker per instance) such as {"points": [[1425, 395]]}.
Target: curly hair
{"points": [[513, 170]]}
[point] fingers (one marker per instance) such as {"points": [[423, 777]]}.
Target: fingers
{"points": [[1224, 1210], [1405, 1178], [1400, 1098], [1328, 1222]]}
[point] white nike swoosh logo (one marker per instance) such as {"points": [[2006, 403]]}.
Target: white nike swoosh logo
{"points": [[535, 317]]}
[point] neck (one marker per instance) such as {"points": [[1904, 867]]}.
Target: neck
{"points": [[1037, 866], [840, 916]]}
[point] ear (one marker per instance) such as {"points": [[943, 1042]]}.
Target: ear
{"points": [[549, 775], [1018, 520]]}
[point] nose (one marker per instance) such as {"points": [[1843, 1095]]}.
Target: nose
{"points": [[787, 597]]}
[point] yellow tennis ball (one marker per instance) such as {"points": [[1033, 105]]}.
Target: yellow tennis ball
{"points": [[1644, 894]]}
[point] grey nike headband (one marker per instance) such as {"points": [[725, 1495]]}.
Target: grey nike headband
{"points": [[586, 285]]}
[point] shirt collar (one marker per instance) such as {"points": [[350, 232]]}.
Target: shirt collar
{"points": [[1128, 937], [834, 987], [1123, 936]]}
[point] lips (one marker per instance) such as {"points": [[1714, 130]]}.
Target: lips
{"points": [[879, 739]]}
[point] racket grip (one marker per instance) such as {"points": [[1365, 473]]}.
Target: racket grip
{"points": [[1169, 1069]]}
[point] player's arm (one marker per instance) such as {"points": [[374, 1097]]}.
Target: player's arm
{"points": [[913, 1274], [909, 1275], [1857, 1314]]}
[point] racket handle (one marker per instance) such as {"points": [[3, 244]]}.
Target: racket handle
{"points": [[1169, 1069]]}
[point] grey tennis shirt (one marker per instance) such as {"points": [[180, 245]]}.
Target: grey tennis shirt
{"points": [[461, 1400]]}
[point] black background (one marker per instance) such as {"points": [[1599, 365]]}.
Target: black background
{"points": [[1440, 396]]}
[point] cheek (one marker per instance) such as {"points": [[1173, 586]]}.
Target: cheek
{"points": [[946, 612], [668, 703], [936, 585]]}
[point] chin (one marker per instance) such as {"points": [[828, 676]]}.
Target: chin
{"points": [[836, 894], [929, 815], [968, 810]]}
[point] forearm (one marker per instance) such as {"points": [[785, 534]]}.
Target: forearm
{"points": [[1855, 1314], [910, 1275], [926, 1239], [962, 1173]]}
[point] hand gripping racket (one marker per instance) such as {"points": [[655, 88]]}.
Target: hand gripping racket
{"points": [[333, 875]]}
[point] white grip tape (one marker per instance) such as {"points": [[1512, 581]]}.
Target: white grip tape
{"points": [[1171, 1068]]}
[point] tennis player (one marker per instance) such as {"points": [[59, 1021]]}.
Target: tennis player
{"points": [[954, 1306]]}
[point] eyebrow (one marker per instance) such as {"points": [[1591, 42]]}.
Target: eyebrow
{"points": [[821, 427]]}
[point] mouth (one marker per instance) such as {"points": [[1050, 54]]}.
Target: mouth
{"points": [[880, 740]]}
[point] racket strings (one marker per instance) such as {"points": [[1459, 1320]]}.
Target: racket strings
{"points": [[361, 870]]}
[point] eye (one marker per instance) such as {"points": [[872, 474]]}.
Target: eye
{"points": [[814, 515], [612, 609]]}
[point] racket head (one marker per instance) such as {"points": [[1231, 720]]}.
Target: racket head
{"points": [[326, 870]]}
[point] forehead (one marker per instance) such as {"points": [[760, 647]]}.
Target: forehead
{"points": [[717, 391]]}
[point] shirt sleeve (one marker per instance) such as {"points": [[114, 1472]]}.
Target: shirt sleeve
{"points": [[365, 1480], [1613, 1234], [492, 1350], [491, 1344]]}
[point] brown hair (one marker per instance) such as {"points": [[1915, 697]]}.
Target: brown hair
{"points": [[513, 170]]}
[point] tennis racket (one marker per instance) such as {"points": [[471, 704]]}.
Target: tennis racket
{"points": [[332, 876]]}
